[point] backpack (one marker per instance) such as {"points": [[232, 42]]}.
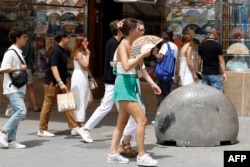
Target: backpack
{"points": [[165, 68]]}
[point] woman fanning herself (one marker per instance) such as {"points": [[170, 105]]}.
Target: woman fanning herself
{"points": [[125, 94], [129, 133], [80, 82]]}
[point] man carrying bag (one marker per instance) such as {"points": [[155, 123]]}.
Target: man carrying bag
{"points": [[163, 83], [11, 65]]}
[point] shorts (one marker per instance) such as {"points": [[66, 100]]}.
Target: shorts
{"points": [[125, 88]]}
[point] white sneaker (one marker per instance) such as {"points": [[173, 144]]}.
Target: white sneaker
{"points": [[146, 160], [3, 140], [85, 135], [117, 159], [44, 133], [15, 144], [74, 131]]}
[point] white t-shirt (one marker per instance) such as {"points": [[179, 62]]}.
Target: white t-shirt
{"points": [[174, 48], [10, 60]]}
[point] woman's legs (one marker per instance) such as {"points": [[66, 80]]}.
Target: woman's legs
{"points": [[130, 129], [135, 110], [120, 125]]}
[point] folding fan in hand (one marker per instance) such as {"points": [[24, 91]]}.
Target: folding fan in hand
{"points": [[144, 42]]}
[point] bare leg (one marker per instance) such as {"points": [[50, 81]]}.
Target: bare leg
{"points": [[32, 95], [125, 110], [136, 111], [120, 125], [91, 99], [126, 139]]}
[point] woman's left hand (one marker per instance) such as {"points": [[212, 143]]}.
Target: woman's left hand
{"points": [[156, 89], [96, 85], [87, 52]]}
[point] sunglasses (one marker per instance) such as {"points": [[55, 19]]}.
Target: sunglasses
{"points": [[142, 30]]}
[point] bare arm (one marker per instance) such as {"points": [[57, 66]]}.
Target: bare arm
{"points": [[159, 56], [155, 53], [123, 55], [190, 62], [199, 63], [92, 77], [56, 75], [222, 66], [23, 67], [155, 87], [111, 63], [84, 63]]}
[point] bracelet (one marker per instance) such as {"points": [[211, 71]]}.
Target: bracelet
{"points": [[18, 68], [91, 79], [59, 82]]}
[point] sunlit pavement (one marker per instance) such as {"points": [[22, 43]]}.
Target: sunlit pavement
{"points": [[64, 150]]}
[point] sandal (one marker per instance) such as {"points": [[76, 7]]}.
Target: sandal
{"points": [[127, 150], [37, 110]]}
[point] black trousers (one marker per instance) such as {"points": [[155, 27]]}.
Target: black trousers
{"points": [[166, 88]]}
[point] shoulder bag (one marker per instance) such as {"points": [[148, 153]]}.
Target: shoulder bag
{"points": [[21, 78]]}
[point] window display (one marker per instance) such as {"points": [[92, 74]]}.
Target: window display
{"points": [[185, 15], [41, 18], [235, 37], [51, 16]]}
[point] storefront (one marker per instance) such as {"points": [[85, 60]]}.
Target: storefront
{"points": [[43, 17], [230, 17]]}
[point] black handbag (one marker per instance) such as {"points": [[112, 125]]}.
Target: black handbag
{"points": [[21, 78]]}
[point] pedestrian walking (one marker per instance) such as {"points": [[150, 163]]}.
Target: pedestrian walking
{"points": [[12, 65], [109, 80], [55, 80], [211, 63], [80, 82], [125, 95]]}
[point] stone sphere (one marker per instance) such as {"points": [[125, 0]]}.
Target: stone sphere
{"points": [[196, 115]]}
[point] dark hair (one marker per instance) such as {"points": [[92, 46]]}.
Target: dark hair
{"points": [[169, 35], [16, 32], [113, 27], [60, 33], [187, 38], [129, 24]]}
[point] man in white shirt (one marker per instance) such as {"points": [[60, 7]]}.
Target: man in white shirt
{"points": [[166, 87], [11, 64]]}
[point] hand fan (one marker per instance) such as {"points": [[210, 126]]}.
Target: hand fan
{"points": [[144, 42], [237, 48]]}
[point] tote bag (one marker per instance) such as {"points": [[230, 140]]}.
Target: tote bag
{"points": [[66, 102]]}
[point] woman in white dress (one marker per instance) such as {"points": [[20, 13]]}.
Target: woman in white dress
{"points": [[187, 71], [80, 77]]}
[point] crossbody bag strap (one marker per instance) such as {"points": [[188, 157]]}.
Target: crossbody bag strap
{"points": [[19, 59], [169, 48], [18, 56]]}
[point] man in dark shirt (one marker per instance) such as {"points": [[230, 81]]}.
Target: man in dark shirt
{"points": [[55, 82], [212, 62], [109, 78]]}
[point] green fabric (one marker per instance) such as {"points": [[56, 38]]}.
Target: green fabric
{"points": [[126, 88], [115, 68]]}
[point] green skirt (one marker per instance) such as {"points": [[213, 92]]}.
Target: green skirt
{"points": [[125, 88]]}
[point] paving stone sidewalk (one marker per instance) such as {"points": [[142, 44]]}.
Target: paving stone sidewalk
{"points": [[64, 150]]}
